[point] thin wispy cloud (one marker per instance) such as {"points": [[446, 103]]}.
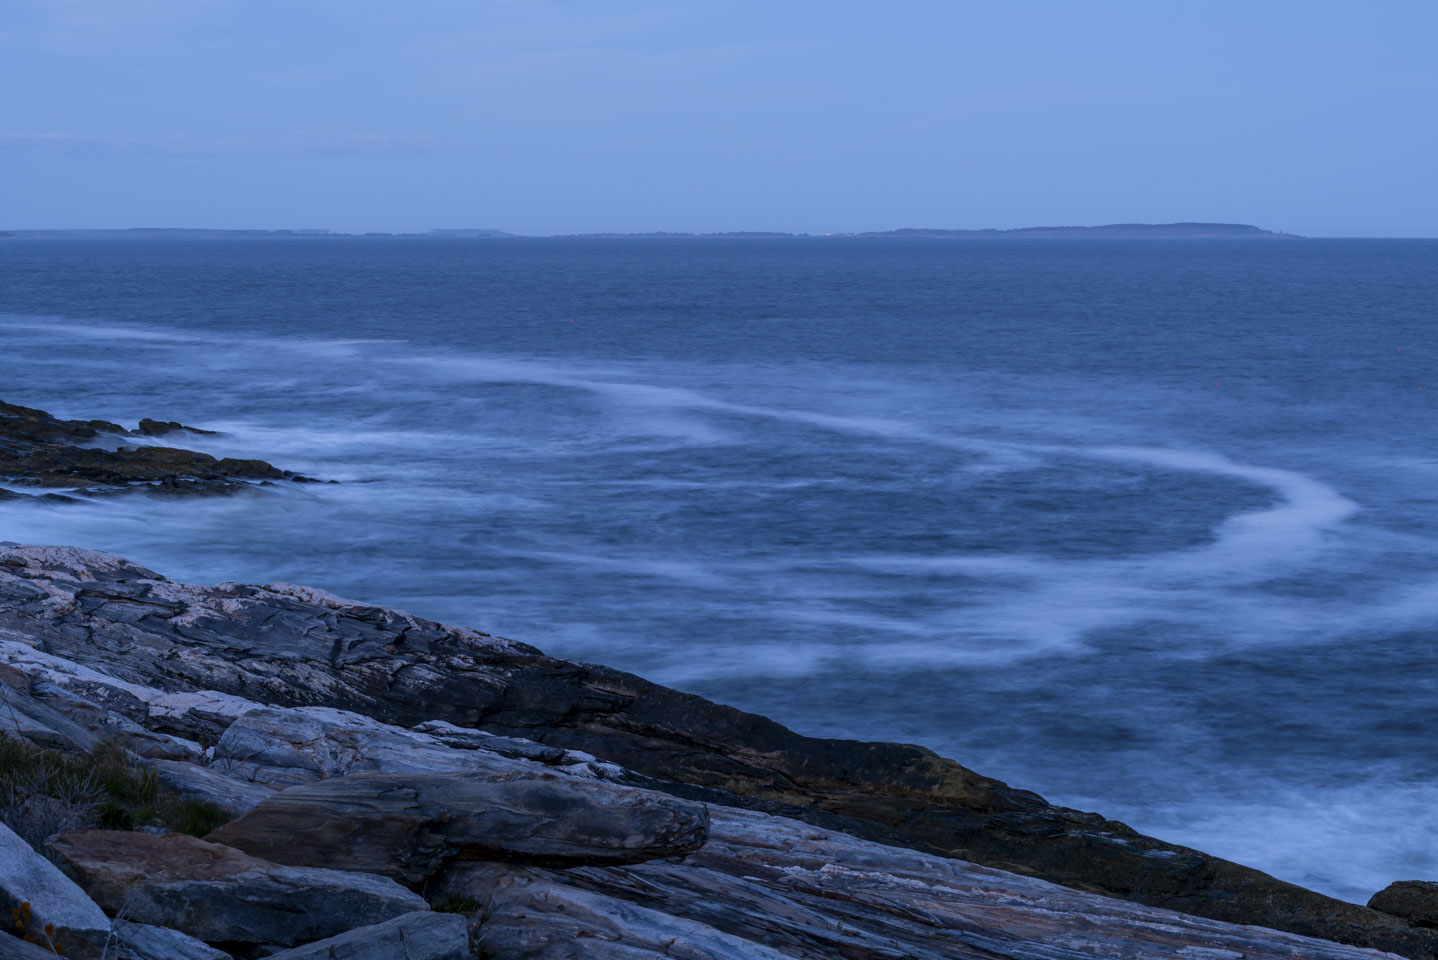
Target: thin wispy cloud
{"points": [[186, 145], [104, 27]]}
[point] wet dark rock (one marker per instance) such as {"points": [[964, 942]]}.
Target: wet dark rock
{"points": [[407, 826], [156, 428], [26, 424], [1413, 900], [39, 450]]}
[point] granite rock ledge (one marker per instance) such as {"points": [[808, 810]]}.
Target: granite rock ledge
{"points": [[736, 837]]}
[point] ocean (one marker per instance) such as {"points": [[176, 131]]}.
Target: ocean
{"points": [[1149, 527]]}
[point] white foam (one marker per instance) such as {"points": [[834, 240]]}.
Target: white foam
{"points": [[1347, 841], [1033, 604], [626, 389], [683, 571], [48, 327], [1289, 532]]}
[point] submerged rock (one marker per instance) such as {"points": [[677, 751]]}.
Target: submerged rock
{"points": [[408, 825], [218, 894]]}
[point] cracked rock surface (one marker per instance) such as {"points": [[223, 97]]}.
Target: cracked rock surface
{"points": [[815, 848]]}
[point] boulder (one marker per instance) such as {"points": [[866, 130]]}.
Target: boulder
{"points": [[41, 902], [415, 936], [219, 894], [407, 826], [1414, 900], [143, 941]]}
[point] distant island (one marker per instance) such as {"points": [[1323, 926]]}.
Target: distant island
{"points": [[199, 233], [1112, 231]]}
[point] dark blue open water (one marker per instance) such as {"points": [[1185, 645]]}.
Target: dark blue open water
{"points": [[1150, 527]]}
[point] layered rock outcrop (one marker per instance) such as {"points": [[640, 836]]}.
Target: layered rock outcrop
{"points": [[815, 848], [218, 894], [407, 826]]}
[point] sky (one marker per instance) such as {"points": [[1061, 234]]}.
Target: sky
{"points": [[571, 116]]}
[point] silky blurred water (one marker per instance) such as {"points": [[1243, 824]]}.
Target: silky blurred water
{"points": [[1148, 527]]}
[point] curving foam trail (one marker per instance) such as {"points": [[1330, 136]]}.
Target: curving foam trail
{"points": [[46, 328], [1020, 605], [1289, 532]]}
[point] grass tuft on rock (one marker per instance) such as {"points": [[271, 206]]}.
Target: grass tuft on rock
{"points": [[455, 905], [45, 792]]}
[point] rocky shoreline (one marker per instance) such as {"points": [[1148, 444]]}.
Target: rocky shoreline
{"points": [[387, 786], [47, 455]]}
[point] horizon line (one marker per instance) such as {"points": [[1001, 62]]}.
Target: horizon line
{"points": [[1189, 229]]}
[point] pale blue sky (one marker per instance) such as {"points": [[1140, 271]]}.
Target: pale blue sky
{"points": [[546, 116]]}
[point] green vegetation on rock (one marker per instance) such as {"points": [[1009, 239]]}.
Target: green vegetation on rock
{"points": [[44, 792]]}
